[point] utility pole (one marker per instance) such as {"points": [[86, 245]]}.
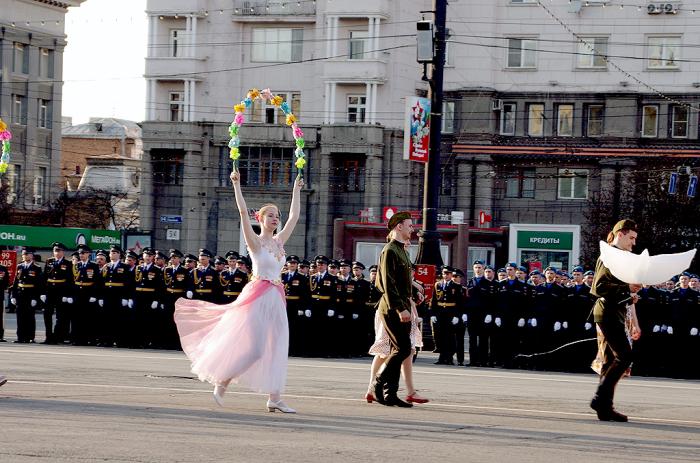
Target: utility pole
{"points": [[429, 238]]}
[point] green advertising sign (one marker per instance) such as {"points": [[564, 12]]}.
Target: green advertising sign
{"points": [[545, 240], [42, 237]]}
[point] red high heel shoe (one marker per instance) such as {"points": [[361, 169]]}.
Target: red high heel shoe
{"points": [[369, 398], [416, 399]]}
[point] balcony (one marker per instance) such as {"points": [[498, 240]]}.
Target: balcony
{"points": [[265, 11], [359, 8], [176, 6], [177, 68], [355, 70]]}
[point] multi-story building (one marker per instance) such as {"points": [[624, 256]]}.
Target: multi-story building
{"points": [[549, 105], [32, 40]]}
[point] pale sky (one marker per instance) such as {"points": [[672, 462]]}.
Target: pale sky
{"points": [[104, 61]]}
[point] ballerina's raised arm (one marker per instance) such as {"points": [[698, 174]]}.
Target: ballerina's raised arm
{"points": [[294, 209], [251, 238]]}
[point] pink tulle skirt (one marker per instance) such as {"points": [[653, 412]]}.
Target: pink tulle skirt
{"points": [[245, 342]]}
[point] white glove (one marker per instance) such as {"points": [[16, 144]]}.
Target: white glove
{"points": [[557, 326], [533, 323], [33, 303], [64, 299], [656, 329], [693, 331], [565, 325], [131, 303], [162, 306], [154, 305], [465, 318], [670, 330], [433, 319], [101, 302], [300, 313], [189, 294], [124, 302], [341, 317], [664, 328], [13, 300], [92, 299], [498, 321], [355, 316], [331, 312], [521, 323], [69, 300], [43, 298], [455, 320], [588, 326], [307, 312], [488, 319]]}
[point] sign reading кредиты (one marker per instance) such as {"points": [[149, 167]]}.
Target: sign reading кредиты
{"points": [[545, 240]]}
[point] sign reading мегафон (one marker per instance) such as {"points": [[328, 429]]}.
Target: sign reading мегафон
{"points": [[43, 237], [545, 240]]}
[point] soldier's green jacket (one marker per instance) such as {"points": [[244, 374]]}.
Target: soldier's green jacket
{"points": [[394, 278], [613, 295]]}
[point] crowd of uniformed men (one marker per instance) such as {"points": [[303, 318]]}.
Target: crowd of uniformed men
{"points": [[128, 300]]}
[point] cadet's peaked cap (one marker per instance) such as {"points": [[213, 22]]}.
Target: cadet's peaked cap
{"points": [[333, 263], [232, 255], [206, 252], [359, 265], [459, 272], [687, 274], [175, 253], [220, 260], [550, 269], [488, 267], [116, 248], [27, 250], [512, 264], [372, 267], [522, 268], [161, 255], [535, 272], [149, 251], [74, 254], [478, 262], [447, 268], [83, 248], [321, 259], [102, 252], [304, 263], [625, 224], [578, 268], [58, 245], [132, 254], [190, 257], [501, 270], [397, 219], [345, 263], [588, 272], [293, 258]]}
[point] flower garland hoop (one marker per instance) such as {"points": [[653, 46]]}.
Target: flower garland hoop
{"points": [[5, 137], [291, 120]]}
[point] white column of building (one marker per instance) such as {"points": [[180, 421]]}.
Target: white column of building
{"points": [[186, 104], [329, 35], [375, 46], [151, 29], [334, 39], [149, 99], [368, 102], [188, 35], [334, 85], [370, 39], [327, 104], [374, 103], [193, 99], [193, 36]]}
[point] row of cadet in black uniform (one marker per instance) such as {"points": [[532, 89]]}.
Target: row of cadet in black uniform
{"points": [[510, 315]]}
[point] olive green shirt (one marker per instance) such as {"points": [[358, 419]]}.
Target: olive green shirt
{"points": [[613, 295], [394, 278]]}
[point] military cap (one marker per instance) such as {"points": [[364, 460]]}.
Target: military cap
{"points": [[359, 265], [219, 260], [447, 268], [116, 248], [512, 264], [459, 272], [687, 274], [74, 254], [232, 255], [625, 224], [588, 272], [190, 257], [551, 269], [344, 263], [372, 268], [175, 253], [488, 267], [132, 254], [334, 263], [478, 262], [149, 251], [102, 252], [535, 272], [501, 270], [522, 268], [293, 258], [206, 253], [84, 248], [59, 245], [27, 250], [304, 263], [578, 269], [397, 219], [161, 255], [321, 259]]}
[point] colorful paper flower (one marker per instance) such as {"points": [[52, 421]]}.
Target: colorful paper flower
{"points": [[285, 108], [239, 108], [239, 119], [3, 126], [291, 119], [300, 142], [234, 154], [5, 135], [247, 102], [253, 93], [3, 167], [297, 131], [266, 94], [234, 143], [300, 163], [277, 100]]}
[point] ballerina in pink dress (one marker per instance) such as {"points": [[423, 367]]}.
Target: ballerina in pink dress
{"points": [[247, 341]]}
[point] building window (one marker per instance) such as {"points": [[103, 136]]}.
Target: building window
{"points": [[523, 1], [664, 52], [265, 166], [354, 172], [39, 186], [44, 114], [277, 45], [508, 119], [679, 122], [594, 120], [521, 183], [20, 58], [565, 120], [168, 167], [535, 120], [358, 44], [357, 105], [573, 183], [650, 121], [521, 53], [46, 62], [14, 183], [177, 106], [448, 117], [592, 54], [19, 109], [177, 42], [267, 113]]}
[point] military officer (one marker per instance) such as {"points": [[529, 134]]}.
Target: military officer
{"points": [[58, 296], [149, 292], [460, 328], [219, 264], [204, 280], [304, 267], [101, 258], [132, 260], [580, 303], [26, 289], [547, 315], [118, 284], [161, 259], [190, 262], [360, 317], [232, 279], [476, 312], [513, 303], [447, 296], [243, 264], [298, 294], [88, 286], [324, 294], [177, 281]]}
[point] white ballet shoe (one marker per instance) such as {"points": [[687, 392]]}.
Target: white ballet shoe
{"points": [[219, 395], [279, 405]]}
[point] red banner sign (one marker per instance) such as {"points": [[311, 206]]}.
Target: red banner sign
{"points": [[417, 129], [9, 260], [425, 273]]}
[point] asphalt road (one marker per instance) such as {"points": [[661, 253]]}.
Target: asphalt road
{"points": [[71, 404]]}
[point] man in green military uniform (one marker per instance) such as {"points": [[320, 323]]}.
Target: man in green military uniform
{"points": [[394, 281], [609, 313]]}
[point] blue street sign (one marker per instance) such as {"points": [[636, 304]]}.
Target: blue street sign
{"points": [[692, 186], [673, 184], [171, 218]]}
